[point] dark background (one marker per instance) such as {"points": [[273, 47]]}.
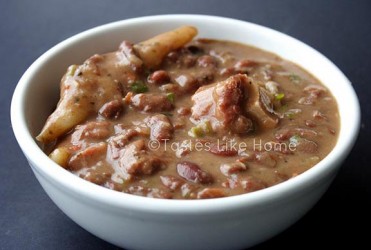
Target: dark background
{"points": [[341, 30]]}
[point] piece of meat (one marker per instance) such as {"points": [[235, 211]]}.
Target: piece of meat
{"points": [[161, 128], [222, 104], [90, 132], [84, 90], [117, 142], [102, 78], [259, 106], [136, 160], [130, 57], [151, 102], [88, 157]]}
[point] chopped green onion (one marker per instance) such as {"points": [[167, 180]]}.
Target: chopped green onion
{"points": [[295, 78], [171, 97], [206, 126], [139, 87], [283, 108], [290, 115], [279, 96], [201, 129], [196, 132], [295, 139]]}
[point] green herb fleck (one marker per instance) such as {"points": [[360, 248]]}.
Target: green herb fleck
{"points": [[295, 139], [279, 96], [201, 129], [206, 126], [170, 96], [290, 115], [196, 132], [283, 108], [139, 87], [295, 78]]}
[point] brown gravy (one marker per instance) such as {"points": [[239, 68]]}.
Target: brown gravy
{"points": [[215, 119]]}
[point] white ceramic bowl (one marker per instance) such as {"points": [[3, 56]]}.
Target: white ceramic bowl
{"points": [[145, 223]]}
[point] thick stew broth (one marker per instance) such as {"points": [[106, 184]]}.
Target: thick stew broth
{"points": [[212, 119]]}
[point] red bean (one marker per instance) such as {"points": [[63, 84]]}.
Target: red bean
{"points": [[310, 123], [171, 182], [173, 56], [194, 49], [244, 66], [206, 61], [232, 168], [184, 111], [188, 61], [192, 172], [227, 71], [159, 77], [251, 184], [112, 109], [222, 150], [244, 63], [186, 81], [319, 115], [209, 193]]}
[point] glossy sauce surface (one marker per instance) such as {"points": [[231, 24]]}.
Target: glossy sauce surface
{"points": [[215, 119]]}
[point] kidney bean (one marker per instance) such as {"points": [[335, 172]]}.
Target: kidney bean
{"points": [[159, 77], [111, 110], [222, 150], [192, 172], [209, 193], [171, 182]]}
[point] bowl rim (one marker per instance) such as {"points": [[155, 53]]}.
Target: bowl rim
{"points": [[72, 184]]}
